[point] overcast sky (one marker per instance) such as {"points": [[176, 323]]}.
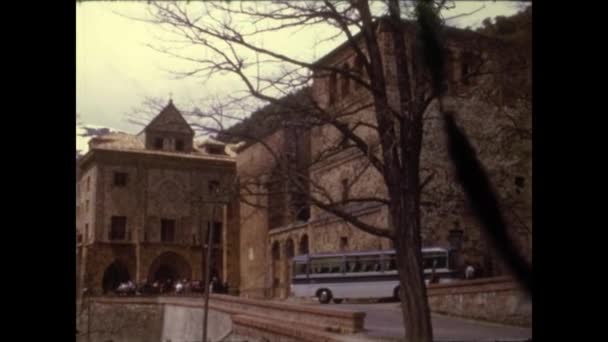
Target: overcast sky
{"points": [[115, 69]]}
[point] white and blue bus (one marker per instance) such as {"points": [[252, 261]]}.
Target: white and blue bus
{"points": [[370, 274]]}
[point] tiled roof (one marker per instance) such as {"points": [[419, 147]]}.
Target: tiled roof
{"points": [[171, 119], [131, 143]]}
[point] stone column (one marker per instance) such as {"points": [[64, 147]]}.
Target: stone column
{"points": [[269, 281], [138, 270], [283, 269], [224, 244]]}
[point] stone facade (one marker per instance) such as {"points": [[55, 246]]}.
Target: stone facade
{"points": [[499, 127], [144, 202], [497, 299]]}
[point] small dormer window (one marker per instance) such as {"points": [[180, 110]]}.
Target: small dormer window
{"points": [[120, 179], [158, 143], [179, 145]]}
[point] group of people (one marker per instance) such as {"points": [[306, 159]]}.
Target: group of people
{"points": [[168, 286]]}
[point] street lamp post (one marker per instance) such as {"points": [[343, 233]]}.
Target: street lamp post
{"points": [[214, 200], [207, 271]]}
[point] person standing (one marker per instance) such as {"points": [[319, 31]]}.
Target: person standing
{"points": [[469, 271]]}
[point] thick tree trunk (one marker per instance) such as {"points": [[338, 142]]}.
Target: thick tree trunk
{"points": [[405, 214], [405, 198]]}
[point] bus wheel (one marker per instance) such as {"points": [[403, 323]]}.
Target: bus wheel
{"points": [[324, 296], [338, 301]]}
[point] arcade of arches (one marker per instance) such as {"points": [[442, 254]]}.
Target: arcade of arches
{"points": [[159, 264], [169, 266], [282, 253]]}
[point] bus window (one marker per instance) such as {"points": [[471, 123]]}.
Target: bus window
{"points": [[370, 264], [436, 261], [363, 264], [327, 265], [353, 264], [335, 265], [388, 263], [300, 268]]}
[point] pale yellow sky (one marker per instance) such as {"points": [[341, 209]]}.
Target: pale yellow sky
{"points": [[115, 69]]}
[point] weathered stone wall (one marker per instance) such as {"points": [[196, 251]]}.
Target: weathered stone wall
{"points": [[499, 128], [253, 165], [179, 320], [120, 323], [85, 219], [505, 156], [491, 299]]}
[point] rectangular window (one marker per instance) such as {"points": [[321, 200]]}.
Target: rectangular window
{"points": [[465, 70], [327, 265], [343, 243], [363, 263], [86, 232], [167, 233], [389, 263], [158, 143], [88, 183], [434, 261], [120, 179], [345, 190], [179, 145], [466, 63], [86, 206], [301, 268], [217, 233], [118, 230], [213, 187]]}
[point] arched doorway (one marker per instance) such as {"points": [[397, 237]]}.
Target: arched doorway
{"points": [[169, 266], [289, 253], [303, 245], [289, 249], [114, 275], [275, 263]]}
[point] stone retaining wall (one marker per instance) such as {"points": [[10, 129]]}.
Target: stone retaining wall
{"points": [[498, 299], [178, 319]]}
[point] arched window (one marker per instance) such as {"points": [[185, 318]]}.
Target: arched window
{"points": [[333, 88], [359, 70], [275, 251], [289, 249], [466, 67], [345, 80], [304, 244]]}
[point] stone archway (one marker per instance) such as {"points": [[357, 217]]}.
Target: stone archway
{"points": [[114, 275], [288, 253], [275, 254], [169, 266], [303, 245]]}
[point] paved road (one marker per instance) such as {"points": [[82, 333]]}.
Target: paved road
{"points": [[384, 321]]}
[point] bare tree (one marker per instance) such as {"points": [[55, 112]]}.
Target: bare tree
{"points": [[382, 128]]}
